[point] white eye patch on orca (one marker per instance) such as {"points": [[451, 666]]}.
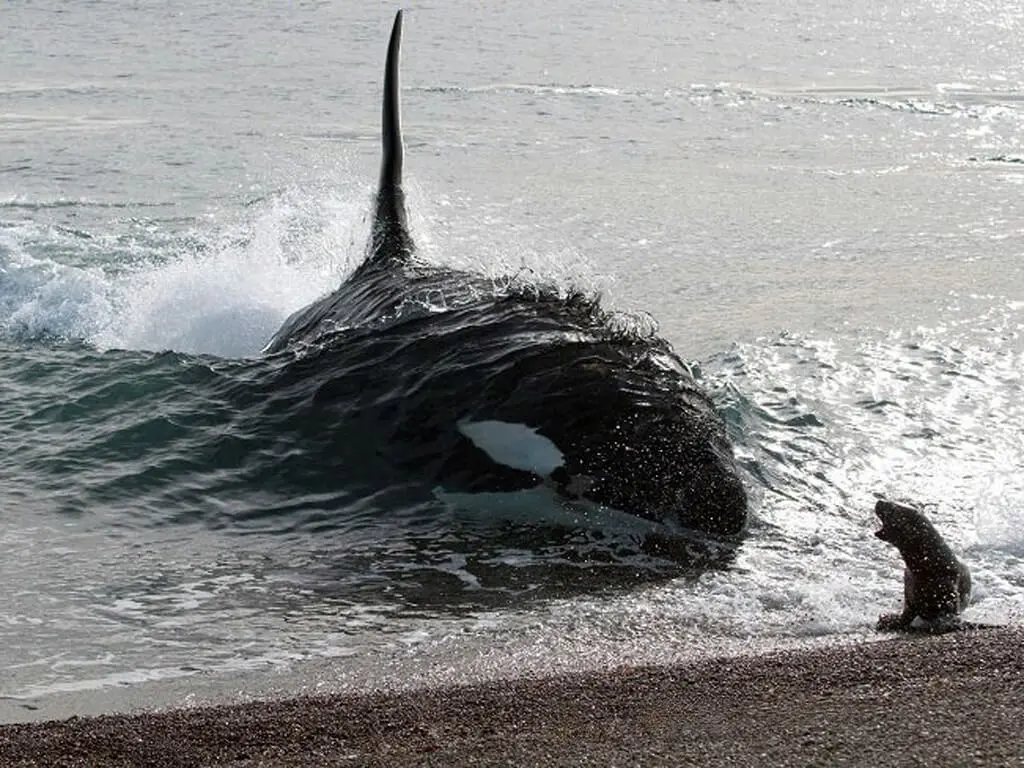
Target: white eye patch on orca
{"points": [[514, 445]]}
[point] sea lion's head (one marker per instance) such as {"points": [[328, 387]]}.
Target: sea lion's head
{"points": [[901, 523]]}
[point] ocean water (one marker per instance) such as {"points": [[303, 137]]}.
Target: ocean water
{"points": [[819, 204]]}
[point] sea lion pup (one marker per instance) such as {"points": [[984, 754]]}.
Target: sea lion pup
{"points": [[936, 586]]}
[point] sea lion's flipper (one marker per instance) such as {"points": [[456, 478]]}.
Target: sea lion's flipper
{"points": [[893, 622]]}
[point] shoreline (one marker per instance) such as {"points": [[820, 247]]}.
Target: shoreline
{"points": [[948, 700]]}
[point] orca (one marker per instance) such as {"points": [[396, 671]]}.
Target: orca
{"points": [[464, 384]]}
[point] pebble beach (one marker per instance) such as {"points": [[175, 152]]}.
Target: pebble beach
{"points": [[954, 699]]}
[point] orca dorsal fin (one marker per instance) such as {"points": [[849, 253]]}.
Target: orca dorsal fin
{"points": [[390, 241]]}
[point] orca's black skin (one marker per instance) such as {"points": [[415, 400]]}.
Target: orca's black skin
{"points": [[403, 352]]}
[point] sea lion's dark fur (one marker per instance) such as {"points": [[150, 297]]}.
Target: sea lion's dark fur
{"points": [[936, 585]]}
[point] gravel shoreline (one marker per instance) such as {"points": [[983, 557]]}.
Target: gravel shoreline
{"points": [[957, 699]]}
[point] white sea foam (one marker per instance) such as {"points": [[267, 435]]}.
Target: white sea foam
{"points": [[223, 291], [230, 298]]}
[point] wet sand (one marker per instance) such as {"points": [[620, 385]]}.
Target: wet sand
{"points": [[951, 700]]}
